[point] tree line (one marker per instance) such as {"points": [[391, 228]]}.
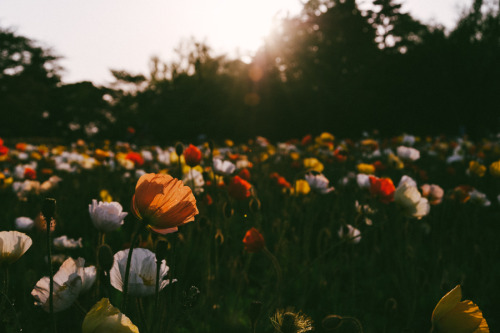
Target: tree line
{"points": [[334, 67]]}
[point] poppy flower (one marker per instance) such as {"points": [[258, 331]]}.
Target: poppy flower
{"points": [[452, 316], [106, 216], [104, 317], [434, 193], [29, 173], [13, 244], [411, 201], [142, 280], [382, 188], [192, 155], [3, 150], [367, 169], [253, 241], [495, 169], [163, 202], [135, 157], [71, 280], [245, 174], [239, 188], [476, 169]]}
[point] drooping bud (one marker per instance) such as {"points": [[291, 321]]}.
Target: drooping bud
{"points": [[331, 323]]}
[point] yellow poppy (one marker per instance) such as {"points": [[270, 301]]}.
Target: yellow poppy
{"points": [[476, 169], [495, 169], [453, 316], [367, 169], [104, 317]]}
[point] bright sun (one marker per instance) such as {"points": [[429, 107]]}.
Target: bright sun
{"points": [[243, 25]]}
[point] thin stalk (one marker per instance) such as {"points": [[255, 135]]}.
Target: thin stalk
{"points": [[142, 314], [48, 220], [277, 268], [157, 291], [135, 237], [5, 297]]}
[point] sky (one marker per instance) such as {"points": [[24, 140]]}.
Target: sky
{"points": [[94, 36]]}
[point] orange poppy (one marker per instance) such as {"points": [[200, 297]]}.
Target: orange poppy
{"points": [[239, 188], [163, 202]]}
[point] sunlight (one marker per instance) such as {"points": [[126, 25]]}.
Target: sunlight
{"points": [[242, 27]]}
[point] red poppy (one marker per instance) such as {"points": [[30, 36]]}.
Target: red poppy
{"points": [[29, 173], [282, 182], [307, 139], [3, 150], [21, 146], [253, 241], [192, 155], [245, 174], [163, 202], [382, 188], [135, 157], [239, 188]]}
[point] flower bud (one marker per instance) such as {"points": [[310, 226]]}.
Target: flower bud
{"points": [[331, 323], [105, 257], [49, 208], [179, 149]]}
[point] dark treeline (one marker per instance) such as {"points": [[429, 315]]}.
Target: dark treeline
{"points": [[334, 67]]}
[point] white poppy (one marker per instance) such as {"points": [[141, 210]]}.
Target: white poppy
{"points": [[70, 281], [319, 183], [106, 216], [13, 244], [142, 277], [408, 153], [409, 198], [223, 167], [64, 242], [194, 179], [350, 234], [24, 223]]}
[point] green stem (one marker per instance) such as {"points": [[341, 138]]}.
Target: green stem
{"points": [[6, 298], [157, 291], [135, 237], [277, 268], [142, 314], [48, 222]]}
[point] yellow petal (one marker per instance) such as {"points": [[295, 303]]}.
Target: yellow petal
{"points": [[448, 302]]}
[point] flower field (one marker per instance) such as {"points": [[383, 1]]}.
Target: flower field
{"points": [[319, 233]]}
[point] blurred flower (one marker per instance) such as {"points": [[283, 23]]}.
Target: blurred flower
{"points": [[409, 198], [313, 164], [239, 188], [394, 161], [194, 179], [319, 183], [301, 187], [495, 169], [350, 234], [50, 184], [192, 155], [288, 321], [142, 278], [106, 216], [253, 241], [64, 242], [25, 188], [5, 181], [163, 202], [24, 223], [223, 167], [101, 155], [461, 193], [434, 193], [104, 317], [363, 181], [382, 188], [105, 196], [41, 224], [365, 168], [244, 174], [476, 169], [454, 316], [71, 280], [136, 158], [13, 244], [408, 153], [479, 198]]}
